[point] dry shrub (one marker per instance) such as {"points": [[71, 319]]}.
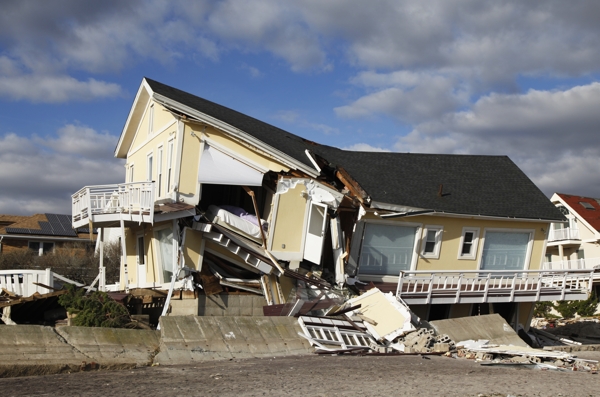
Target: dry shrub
{"points": [[76, 261]]}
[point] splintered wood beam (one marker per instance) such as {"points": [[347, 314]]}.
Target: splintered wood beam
{"points": [[351, 185], [262, 232]]}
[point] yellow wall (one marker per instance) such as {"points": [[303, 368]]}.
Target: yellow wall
{"points": [[143, 144], [451, 235], [255, 155], [289, 221]]}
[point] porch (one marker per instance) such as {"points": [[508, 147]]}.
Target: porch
{"points": [[423, 287], [454, 287], [565, 235], [112, 203]]}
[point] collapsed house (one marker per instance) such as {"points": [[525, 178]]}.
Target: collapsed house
{"points": [[214, 200]]}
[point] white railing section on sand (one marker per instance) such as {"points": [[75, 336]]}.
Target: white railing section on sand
{"points": [[572, 264], [21, 281], [426, 287], [567, 233], [135, 198]]}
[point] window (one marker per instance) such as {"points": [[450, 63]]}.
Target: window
{"points": [[468, 243], [506, 250], [140, 250], [159, 172], [151, 120], [149, 175], [170, 147], [432, 240], [387, 249], [586, 205], [42, 248], [164, 238], [131, 173]]}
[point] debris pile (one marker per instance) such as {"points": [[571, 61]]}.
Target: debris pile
{"points": [[510, 355], [378, 324]]}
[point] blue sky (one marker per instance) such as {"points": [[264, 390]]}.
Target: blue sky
{"points": [[435, 76]]}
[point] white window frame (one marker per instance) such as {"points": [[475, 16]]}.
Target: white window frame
{"points": [[437, 243], [41, 247], [149, 166], [358, 239], [474, 243], [158, 265], [159, 171], [151, 119], [531, 233], [130, 172], [170, 152]]}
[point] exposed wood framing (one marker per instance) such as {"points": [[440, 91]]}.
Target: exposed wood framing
{"points": [[352, 185]]}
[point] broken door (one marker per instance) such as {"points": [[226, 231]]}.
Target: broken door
{"points": [[315, 232]]}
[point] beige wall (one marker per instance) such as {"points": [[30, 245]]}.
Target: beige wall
{"points": [[153, 269], [144, 144], [289, 221], [451, 236]]}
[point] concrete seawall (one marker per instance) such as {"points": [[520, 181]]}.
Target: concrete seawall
{"points": [[37, 350]]}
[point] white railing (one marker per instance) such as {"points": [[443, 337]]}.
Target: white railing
{"points": [[567, 233], [135, 198], [572, 264], [425, 287], [21, 281]]}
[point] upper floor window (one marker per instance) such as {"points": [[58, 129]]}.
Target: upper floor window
{"points": [[159, 172], [151, 120], [468, 243], [130, 173], [149, 174], [170, 148], [505, 249], [432, 240]]}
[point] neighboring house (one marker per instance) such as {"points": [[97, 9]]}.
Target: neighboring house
{"points": [[574, 244], [41, 233], [218, 192]]}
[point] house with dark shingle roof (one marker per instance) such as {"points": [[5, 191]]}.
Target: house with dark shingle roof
{"points": [[218, 199], [41, 233]]}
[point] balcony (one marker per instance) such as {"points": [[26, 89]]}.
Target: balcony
{"points": [[110, 204], [574, 264], [566, 234], [426, 287]]}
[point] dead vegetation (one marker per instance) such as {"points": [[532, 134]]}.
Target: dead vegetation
{"points": [[74, 261]]}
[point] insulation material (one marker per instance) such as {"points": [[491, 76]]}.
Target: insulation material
{"points": [[314, 190], [219, 168], [384, 316]]}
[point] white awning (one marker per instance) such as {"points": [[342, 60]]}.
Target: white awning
{"points": [[219, 168]]}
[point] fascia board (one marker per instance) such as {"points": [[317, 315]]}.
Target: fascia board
{"points": [[120, 150], [400, 208], [279, 155]]}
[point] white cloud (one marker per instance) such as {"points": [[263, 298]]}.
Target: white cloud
{"points": [[53, 89], [365, 147], [40, 175], [552, 135]]}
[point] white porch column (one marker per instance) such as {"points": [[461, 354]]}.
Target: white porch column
{"points": [[101, 269], [124, 253]]}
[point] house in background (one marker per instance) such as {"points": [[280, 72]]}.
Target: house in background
{"points": [[41, 233], [574, 244], [215, 200]]}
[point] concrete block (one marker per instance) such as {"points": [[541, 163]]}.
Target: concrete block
{"points": [[441, 347]]}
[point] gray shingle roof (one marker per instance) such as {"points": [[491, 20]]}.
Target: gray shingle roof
{"points": [[472, 185]]}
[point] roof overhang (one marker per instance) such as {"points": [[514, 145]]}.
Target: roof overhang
{"points": [[398, 211], [136, 112]]}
